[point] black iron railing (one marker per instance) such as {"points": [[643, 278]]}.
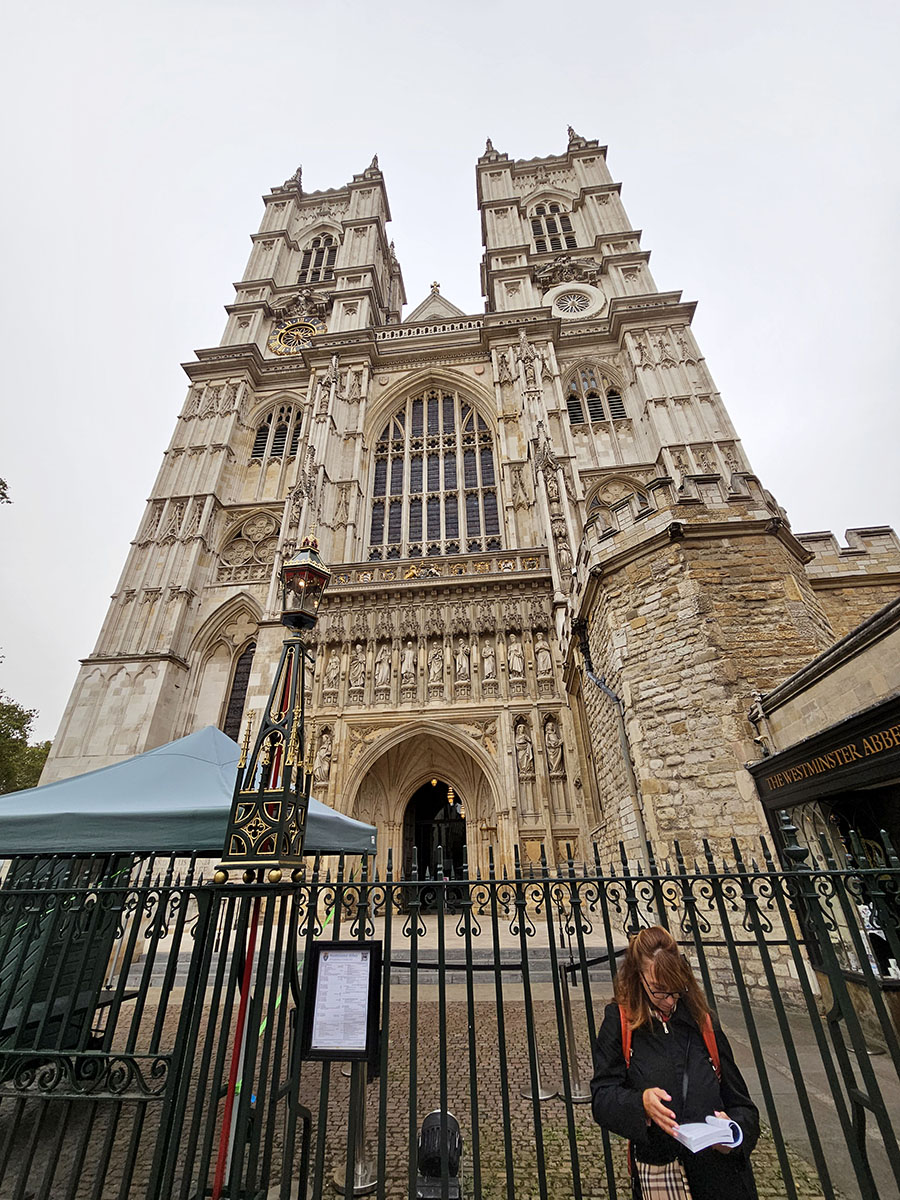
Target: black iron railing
{"points": [[151, 1024]]}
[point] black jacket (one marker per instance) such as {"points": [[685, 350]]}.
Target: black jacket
{"points": [[676, 1060]]}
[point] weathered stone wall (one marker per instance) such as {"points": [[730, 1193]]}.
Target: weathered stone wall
{"points": [[854, 581], [685, 633], [848, 607]]}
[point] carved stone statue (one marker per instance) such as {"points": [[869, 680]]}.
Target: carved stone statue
{"points": [[542, 656], [524, 749], [333, 670], [462, 662], [553, 493], [554, 746], [322, 761], [488, 661], [503, 365], [531, 360], [383, 666], [515, 657], [358, 666], [436, 664], [408, 664], [564, 555], [323, 387]]}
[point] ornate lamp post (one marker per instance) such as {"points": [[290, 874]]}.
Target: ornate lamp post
{"points": [[267, 824]]}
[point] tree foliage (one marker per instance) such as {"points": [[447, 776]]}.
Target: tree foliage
{"points": [[4, 493], [20, 763]]}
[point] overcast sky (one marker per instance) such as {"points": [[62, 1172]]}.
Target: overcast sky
{"points": [[756, 145]]}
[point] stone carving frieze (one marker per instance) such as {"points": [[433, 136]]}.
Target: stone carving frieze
{"points": [[300, 305], [566, 269], [482, 732], [361, 736]]}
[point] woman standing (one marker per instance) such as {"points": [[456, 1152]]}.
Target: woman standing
{"points": [[655, 1066]]}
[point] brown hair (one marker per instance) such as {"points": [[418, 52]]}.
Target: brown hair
{"points": [[672, 971]]}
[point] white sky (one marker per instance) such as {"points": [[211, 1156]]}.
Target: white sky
{"points": [[756, 145]]}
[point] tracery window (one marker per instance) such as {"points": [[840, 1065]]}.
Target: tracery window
{"points": [[234, 710], [318, 260], [591, 397], [552, 229], [278, 433], [434, 482]]}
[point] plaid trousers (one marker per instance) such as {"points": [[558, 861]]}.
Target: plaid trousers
{"points": [[662, 1181]]}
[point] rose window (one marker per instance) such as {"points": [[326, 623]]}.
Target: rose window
{"points": [[572, 302]]}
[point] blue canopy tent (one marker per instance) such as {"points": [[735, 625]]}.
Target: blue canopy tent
{"points": [[172, 800]]}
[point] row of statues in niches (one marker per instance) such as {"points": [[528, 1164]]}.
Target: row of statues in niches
{"points": [[524, 747], [523, 741], [466, 657]]}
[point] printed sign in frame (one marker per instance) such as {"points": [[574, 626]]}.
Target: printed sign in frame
{"points": [[341, 1021]]}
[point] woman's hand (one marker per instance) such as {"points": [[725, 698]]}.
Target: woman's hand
{"points": [[657, 1111], [722, 1149]]}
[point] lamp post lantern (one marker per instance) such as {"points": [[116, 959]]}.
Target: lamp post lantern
{"points": [[267, 824]]}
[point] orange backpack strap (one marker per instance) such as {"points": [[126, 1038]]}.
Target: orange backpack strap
{"points": [[626, 1034], [626, 1054], [712, 1047]]}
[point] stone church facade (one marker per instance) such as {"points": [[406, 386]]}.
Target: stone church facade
{"points": [[557, 582]]}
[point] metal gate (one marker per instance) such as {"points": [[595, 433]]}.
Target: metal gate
{"points": [[151, 1026]]}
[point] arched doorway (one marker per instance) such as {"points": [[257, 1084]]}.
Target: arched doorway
{"points": [[434, 817]]}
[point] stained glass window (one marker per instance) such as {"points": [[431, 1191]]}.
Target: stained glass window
{"points": [[444, 460]]}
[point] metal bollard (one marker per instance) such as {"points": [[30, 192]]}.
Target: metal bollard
{"points": [[364, 1178], [580, 1094]]}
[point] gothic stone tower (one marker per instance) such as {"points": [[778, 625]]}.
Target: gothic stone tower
{"points": [[490, 490]]}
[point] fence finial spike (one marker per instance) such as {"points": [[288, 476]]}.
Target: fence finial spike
{"points": [[793, 851], [892, 858]]}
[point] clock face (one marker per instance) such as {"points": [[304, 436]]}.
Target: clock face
{"points": [[291, 335]]}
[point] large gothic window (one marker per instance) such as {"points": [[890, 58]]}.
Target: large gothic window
{"points": [[318, 260], [591, 397], [552, 229], [435, 488], [278, 434], [234, 710]]}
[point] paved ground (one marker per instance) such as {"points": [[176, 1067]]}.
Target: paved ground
{"points": [[572, 1150], [501, 1157]]}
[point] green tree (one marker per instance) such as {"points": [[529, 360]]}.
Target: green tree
{"points": [[20, 763]]}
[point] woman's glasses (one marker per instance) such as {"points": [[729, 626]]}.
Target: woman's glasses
{"points": [[658, 995]]}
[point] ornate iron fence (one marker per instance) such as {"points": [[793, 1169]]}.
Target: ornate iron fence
{"points": [[150, 1025]]}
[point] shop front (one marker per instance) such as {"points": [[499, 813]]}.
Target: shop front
{"points": [[830, 736]]}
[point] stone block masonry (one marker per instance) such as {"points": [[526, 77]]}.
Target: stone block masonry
{"points": [[854, 581], [685, 632]]}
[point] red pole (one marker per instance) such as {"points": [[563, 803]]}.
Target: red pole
{"points": [[219, 1180]]}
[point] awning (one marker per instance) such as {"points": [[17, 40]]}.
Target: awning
{"points": [[174, 799]]}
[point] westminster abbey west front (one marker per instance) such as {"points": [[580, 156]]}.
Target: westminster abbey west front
{"points": [[557, 582]]}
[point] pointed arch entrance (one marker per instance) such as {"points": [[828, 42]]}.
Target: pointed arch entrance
{"points": [[391, 787], [434, 827]]}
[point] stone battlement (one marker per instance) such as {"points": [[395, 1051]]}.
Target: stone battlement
{"points": [[872, 550], [854, 581]]}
